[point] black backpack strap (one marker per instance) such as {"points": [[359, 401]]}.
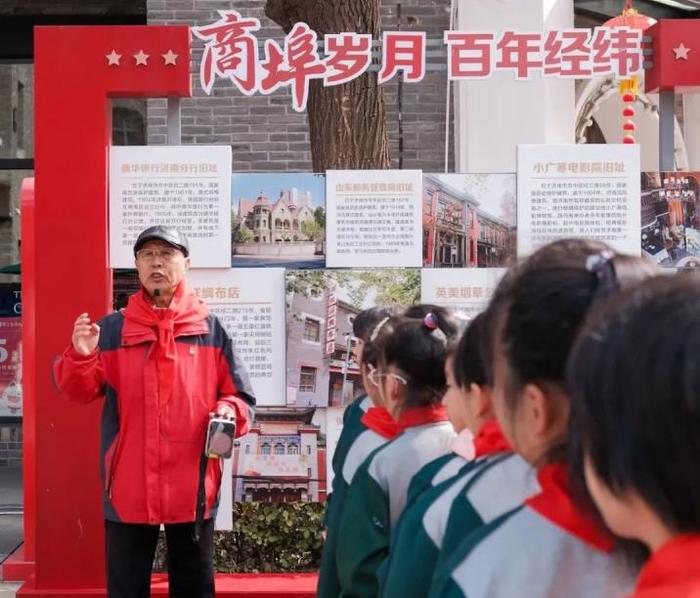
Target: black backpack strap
{"points": [[201, 498]]}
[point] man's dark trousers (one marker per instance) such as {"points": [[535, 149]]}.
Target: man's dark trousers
{"points": [[130, 549]]}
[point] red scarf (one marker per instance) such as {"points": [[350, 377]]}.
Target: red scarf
{"points": [[184, 316], [419, 416], [554, 503], [490, 440], [378, 420], [673, 570]]}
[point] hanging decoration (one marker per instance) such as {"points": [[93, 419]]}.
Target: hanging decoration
{"points": [[629, 86]]}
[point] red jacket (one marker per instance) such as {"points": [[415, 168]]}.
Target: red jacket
{"points": [[152, 439]]}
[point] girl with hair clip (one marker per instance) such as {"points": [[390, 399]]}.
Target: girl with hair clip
{"points": [[417, 540], [558, 548], [411, 379], [367, 425], [448, 465], [635, 383]]}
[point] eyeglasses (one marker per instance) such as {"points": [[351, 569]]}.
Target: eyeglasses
{"points": [[167, 255], [374, 377]]}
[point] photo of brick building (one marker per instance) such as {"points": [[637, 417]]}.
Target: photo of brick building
{"points": [[468, 220]]}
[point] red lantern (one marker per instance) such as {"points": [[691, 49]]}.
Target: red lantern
{"points": [[631, 18], [629, 126]]}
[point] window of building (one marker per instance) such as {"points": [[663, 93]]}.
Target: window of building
{"points": [[280, 449], [293, 449], [312, 330], [308, 449], [428, 205], [247, 449], [265, 449], [128, 125], [307, 379]]}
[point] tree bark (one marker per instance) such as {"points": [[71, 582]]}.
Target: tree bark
{"points": [[347, 123]]}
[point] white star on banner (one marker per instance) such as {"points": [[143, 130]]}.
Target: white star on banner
{"points": [[141, 58], [681, 52], [113, 58], [170, 57]]}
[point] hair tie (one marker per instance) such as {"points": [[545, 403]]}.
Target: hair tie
{"points": [[430, 321], [598, 261], [377, 329], [601, 265]]}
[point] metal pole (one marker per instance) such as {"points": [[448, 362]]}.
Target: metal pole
{"points": [[667, 154], [174, 132], [346, 366]]}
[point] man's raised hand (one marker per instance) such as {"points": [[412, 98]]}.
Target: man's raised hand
{"points": [[86, 334]]}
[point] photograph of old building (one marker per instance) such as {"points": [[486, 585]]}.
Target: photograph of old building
{"points": [[320, 365], [278, 220], [468, 220], [282, 458], [321, 307], [671, 218]]}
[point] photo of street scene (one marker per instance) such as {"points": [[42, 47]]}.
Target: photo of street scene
{"points": [[321, 307], [671, 218], [282, 458], [469, 220], [278, 220]]}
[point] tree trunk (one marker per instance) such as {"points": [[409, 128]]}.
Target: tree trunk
{"points": [[347, 123]]}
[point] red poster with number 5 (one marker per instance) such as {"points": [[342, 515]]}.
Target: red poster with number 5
{"points": [[11, 367]]}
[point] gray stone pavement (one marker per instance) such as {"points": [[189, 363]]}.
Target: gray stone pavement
{"points": [[10, 519]]}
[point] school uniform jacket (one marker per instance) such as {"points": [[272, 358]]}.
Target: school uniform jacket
{"points": [[543, 549], [673, 571], [434, 473], [417, 541], [377, 497], [355, 444]]}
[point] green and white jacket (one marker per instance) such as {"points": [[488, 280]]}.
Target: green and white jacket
{"points": [[364, 430], [418, 537], [545, 548], [377, 497]]}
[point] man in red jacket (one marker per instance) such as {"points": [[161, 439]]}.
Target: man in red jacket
{"points": [[163, 365]]}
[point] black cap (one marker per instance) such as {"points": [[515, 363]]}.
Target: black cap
{"points": [[167, 234]]}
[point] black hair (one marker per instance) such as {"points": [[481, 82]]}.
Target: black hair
{"points": [[447, 321], [418, 349], [548, 301], [365, 322], [471, 353], [634, 377]]}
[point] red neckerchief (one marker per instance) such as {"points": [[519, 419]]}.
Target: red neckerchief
{"points": [[676, 563], [554, 503], [490, 440], [378, 420], [184, 316], [419, 416]]}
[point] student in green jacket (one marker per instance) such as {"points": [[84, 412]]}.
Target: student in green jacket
{"points": [[366, 426], [550, 545], [416, 542], [411, 379]]}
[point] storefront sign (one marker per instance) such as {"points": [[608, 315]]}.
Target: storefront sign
{"points": [[10, 351]]}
